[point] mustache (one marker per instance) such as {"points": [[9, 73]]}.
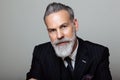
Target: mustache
{"points": [[62, 40]]}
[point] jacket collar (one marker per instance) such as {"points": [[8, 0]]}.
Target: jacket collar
{"points": [[82, 59]]}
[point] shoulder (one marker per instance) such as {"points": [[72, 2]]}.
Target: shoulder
{"points": [[46, 45], [94, 49], [91, 45], [42, 49]]}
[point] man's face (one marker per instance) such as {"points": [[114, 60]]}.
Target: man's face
{"points": [[61, 29]]}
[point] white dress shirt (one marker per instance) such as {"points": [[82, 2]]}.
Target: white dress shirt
{"points": [[73, 57]]}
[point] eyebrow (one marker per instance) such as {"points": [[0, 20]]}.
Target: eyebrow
{"points": [[59, 26], [50, 28], [64, 24]]}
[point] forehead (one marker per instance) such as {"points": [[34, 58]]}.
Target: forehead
{"points": [[57, 18]]}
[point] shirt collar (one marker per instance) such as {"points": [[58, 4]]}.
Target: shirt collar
{"points": [[73, 55]]}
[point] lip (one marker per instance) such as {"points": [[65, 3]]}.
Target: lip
{"points": [[62, 43]]}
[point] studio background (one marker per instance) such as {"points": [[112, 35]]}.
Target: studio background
{"points": [[22, 27]]}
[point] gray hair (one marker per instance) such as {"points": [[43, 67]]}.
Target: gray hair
{"points": [[55, 7]]}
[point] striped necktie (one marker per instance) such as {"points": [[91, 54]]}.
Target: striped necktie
{"points": [[70, 67]]}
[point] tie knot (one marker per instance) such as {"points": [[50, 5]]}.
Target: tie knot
{"points": [[68, 59], [69, 67]]}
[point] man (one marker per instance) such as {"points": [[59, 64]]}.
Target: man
{"points": [[67, 57]]}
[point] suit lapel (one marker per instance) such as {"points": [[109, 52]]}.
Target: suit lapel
{"points": [[82, 60], [55, 64], [59, 70]]}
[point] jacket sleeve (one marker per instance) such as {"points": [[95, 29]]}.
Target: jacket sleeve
{"points": [[102, 70], [35, 66]]}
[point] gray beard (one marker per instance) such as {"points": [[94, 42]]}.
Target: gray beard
{"points": [[64, 50]]}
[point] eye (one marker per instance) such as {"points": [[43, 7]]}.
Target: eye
{"points": [[63, 26], [51, 30]]}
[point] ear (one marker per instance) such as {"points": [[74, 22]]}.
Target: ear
{"points": [[75, 22]]}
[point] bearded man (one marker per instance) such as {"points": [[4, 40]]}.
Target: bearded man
{"points": [[67, 57]]}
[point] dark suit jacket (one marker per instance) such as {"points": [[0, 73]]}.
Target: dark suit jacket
{"points": [[92, 63]]}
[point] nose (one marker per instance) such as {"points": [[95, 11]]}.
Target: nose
{"points": [[59, 35]]}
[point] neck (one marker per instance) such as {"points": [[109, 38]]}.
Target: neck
{"points": [[75, 45]]}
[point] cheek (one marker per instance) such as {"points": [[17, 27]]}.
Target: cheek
{"points": [[69, 33], [52, 38]]}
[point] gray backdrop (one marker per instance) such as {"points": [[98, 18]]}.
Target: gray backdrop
{"points": [[22, 27]]}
